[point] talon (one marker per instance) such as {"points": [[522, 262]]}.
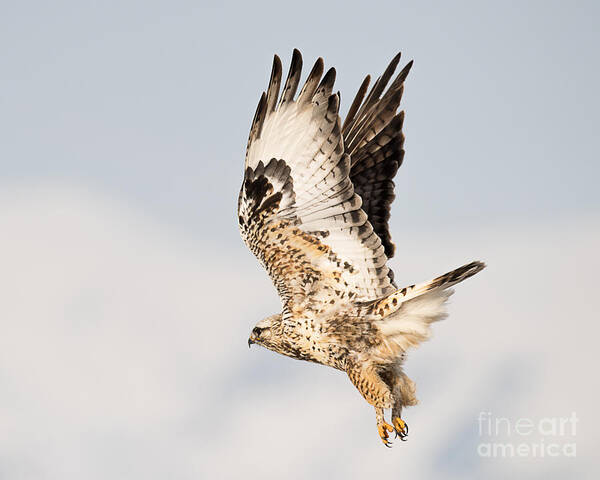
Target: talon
{"points": [[383, 430], [401, 428]]}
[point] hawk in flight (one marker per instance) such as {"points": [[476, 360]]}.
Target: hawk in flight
{"points": [[314, 209]]}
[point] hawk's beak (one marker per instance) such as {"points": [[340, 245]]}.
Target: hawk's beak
{"points": [[250, 342]]}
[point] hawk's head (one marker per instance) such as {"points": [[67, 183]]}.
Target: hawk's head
{"points": [[267, 332]]}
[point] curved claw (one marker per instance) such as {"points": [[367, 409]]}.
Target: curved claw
{"points": [[383, 430], [400, 428]]}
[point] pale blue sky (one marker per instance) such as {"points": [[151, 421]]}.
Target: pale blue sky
{"points": [[126, 294]]}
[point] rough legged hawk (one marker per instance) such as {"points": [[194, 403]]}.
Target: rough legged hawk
{"points": [[314, 209]]}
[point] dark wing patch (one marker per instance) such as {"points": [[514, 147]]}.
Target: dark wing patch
{"points": [[375, 165], [264, 191], [308, 275], [373, 137]]}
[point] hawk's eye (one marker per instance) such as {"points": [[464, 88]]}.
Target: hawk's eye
{"points": [[257, 331]]}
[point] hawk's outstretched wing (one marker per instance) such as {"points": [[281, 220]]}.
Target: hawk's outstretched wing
{"points": [[373, 138], [298, 209]]}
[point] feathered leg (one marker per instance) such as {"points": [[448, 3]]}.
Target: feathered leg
{"points": [[365, 377], [404, 395]]}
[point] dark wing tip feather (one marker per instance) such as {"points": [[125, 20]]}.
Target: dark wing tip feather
{"points": [[382, 81], [398, 82], [293, 78], [391, 68], [259, 117], [328, 79], [312, 81], [360, 95], [319, 66], [333, 103], [296, 61], [274, 84]]}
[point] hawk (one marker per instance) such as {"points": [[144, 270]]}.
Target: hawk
{"points": [[314, 208]]}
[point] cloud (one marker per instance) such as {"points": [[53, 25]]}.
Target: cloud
{"points": [[123, 353]]}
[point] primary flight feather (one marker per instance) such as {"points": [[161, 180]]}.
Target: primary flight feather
{"points": [[314, 209]]}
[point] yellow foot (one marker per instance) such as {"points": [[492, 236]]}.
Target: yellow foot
{"points": [[401, 428], [383, 429]]}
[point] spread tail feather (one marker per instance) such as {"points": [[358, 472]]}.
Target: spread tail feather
{"points": [[409, 312], [439, 283]]}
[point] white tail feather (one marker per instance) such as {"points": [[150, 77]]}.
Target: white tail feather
{"points": [[408, 313], [411, 323]]}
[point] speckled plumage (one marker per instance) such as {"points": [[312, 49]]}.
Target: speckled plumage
{"points": [[314, 209]]}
